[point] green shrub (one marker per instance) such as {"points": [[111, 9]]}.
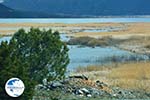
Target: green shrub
{"points": [[32, 56]]}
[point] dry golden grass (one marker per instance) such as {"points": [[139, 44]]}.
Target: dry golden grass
{"points": [[131, 76], [135, 76], [139, 28], [131, 71], [7, 32], [92, 68], [58, 24], [130, 29], [66, 28], [133, 84], [99, 34]]}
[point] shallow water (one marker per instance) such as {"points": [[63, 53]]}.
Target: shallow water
{"points": [[107, 29], [5, 39], [84, 56], [95, 30], [72, 20]]}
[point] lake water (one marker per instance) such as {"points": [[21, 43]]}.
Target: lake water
{"points": [[85, 56], [73, 20], [108, 29], [5, 39]]}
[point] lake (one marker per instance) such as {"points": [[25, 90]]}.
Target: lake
{"points": [[72, 20], [85, 56]]}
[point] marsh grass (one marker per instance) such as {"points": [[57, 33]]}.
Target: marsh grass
{"points": [[131, 71], [91, 68], [88, 41], [134, 76]]}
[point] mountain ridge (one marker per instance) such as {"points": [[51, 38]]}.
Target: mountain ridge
{"points": [[6, 12], [83, 8]]}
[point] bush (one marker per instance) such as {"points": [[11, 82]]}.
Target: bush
{"points": [[44, 53], [32, 56], [10, 67]]}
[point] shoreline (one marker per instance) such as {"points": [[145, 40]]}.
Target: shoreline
{"points": [[134, 28], [86, 16], [131, 34]]}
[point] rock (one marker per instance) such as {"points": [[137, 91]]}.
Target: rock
{"points": [[69, 90], [65, 81], [101, 84], [45, 81], [56, 84], [40, 87], [83, 92], [114, 95], [86, 91], [94, 92], [78, 92], [70, 86], [89, 95], [83, 77], [122, 93]]}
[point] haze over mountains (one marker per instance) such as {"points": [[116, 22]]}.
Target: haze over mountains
{"points": [[79, 8]]}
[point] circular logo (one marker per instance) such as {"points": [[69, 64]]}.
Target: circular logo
{"points": [[14, 87]]}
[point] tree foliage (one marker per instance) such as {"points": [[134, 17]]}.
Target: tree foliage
{"points": [[32, 56], [10, 67]]}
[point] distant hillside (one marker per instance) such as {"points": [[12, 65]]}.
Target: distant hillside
{"points": [[4, 8], [6, 12], [83, 7]]}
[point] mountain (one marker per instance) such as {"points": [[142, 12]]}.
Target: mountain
{"points": [[4, 8], [6, 12], [83, 7]]}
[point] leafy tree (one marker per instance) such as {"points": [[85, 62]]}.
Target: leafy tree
{"points": [[32, 56]]}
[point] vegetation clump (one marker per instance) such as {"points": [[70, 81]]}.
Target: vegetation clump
{"points": [[32, 56], [88, 41]]}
